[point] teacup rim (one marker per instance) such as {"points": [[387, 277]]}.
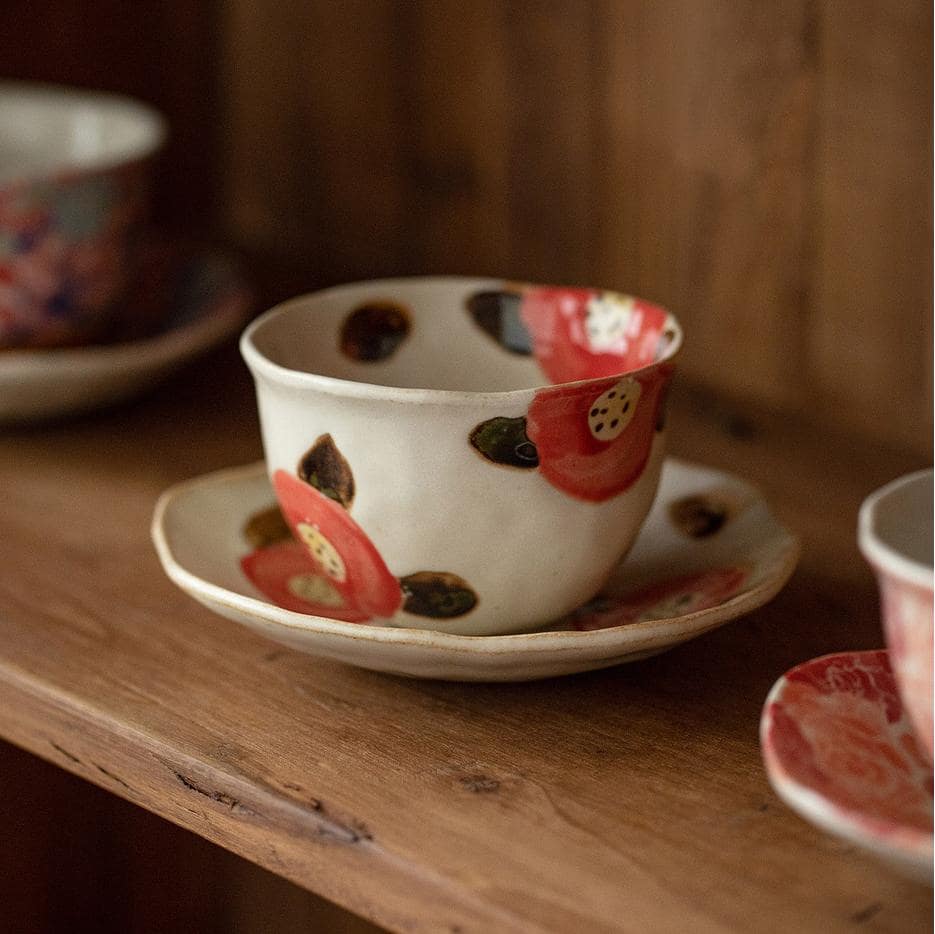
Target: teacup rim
{"points": [[882, 556], [155, 130], [262, 365]]}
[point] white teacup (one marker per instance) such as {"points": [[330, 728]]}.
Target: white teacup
{"points": [[458, 454]]}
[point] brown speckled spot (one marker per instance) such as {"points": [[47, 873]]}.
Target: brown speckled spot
{"points": [[437, 594], [374, 331], [699, 516], [324, 467], [266, 528]]}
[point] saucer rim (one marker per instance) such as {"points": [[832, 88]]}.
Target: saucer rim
{"points": [[687, 625], [907, 846]]}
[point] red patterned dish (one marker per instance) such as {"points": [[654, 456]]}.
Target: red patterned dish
{"points": [[840, 750]]}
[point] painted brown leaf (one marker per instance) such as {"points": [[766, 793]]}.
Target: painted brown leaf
{"points": [[266, 528], [324, 467]]}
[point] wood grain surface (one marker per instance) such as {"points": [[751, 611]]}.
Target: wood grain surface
{"points": [[77, 858], [626, 800]]}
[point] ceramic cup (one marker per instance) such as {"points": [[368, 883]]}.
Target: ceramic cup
{"points": [[74, 197], [465, 455], [895, 536]]}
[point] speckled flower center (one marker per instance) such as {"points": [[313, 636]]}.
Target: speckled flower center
{"points": [[323, 552], [613, 410]]}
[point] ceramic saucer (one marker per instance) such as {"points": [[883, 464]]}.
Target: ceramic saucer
{"points": [[183, 304], [709, 552], [839, 750]]}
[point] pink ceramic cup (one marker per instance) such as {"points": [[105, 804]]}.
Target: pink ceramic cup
{"points": [[74, 200], [895, 536]]}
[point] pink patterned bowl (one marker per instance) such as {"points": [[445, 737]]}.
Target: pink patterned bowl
{"points": [[895, 536], [465, 455], [74, 198]]}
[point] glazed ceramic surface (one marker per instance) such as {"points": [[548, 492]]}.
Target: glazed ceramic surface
{"points": [[709, 552], [431, 471], [188, 302], [895, 535], [74, 193], [840, 750]]}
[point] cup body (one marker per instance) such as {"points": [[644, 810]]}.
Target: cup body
{"points": [[895, 536], [75, 171], [468, 496]]}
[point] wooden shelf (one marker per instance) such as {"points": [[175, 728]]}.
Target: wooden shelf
{"points": [[632, 799]]}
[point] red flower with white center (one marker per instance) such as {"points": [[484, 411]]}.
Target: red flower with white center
{"points": [[286, 573], [667, 600], [594, 439], [585, 333], [338, 548]]}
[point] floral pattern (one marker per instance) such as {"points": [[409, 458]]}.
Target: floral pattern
{"points": [[65, 253], [585, 333], [594, 439], [311, 557], [836, 727], [907, 621], [665, 600], [339, 549], [591, 433], [286, 573]]}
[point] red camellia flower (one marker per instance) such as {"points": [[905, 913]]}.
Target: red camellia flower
{"points": [[286, 573], [339, 549], [585, 333], [667, 600], [594, 439]]}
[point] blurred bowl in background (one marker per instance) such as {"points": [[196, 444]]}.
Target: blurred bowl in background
{"points": [[75, 171], [895, 536]]}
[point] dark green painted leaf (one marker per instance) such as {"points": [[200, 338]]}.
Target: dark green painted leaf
{"points": [[504, 441], [437, 594]]}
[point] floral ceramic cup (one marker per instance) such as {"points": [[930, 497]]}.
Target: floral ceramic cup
{"points": [[465, 455], [74, 193], [895, 536]]}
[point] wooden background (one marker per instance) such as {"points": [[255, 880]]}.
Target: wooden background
{"points": [[763, 169]]}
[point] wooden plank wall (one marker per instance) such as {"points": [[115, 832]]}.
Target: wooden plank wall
{"points": [[764, 169]]}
